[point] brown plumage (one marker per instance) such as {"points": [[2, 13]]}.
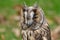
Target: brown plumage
{"points": [[34, 25]]}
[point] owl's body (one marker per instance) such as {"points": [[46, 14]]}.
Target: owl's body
{"points": [[42, 33], [34, 25]]}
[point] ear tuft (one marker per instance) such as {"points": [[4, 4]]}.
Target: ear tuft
{"points": [[35, 5], [24, 4]]}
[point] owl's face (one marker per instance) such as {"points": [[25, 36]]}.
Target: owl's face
{"points": [[29, 13]]}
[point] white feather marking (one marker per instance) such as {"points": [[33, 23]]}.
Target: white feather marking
{"points": [[44, 38], [31, 14], [31, 18], [25, 13]]}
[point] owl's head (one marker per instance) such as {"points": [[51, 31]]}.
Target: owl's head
{"points": [[31, 14]]}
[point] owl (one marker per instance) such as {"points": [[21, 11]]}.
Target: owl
{"points": [[34, 25]]}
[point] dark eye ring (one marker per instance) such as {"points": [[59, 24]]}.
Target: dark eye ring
{"points": [[23, 9], [35, 17], [34, 10]]}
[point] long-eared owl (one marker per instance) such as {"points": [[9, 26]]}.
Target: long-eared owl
{"points": [[34, 25]]}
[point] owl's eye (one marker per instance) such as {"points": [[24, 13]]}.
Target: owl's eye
{"points": [[23, 9], [35, 16]]}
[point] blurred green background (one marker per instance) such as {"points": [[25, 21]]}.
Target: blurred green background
{"points": [[51, 9]]}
